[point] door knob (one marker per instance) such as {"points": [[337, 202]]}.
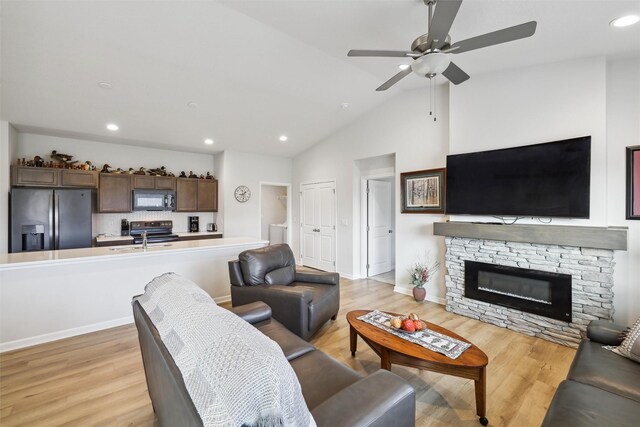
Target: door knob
{"points": [[390, 231]]}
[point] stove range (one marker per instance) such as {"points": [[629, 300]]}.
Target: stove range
{"points": [[157, 231]]}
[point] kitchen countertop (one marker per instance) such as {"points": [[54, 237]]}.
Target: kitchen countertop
{"points": [[105, 239], [67, 256]]}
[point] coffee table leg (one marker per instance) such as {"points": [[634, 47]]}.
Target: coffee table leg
{"points": [[385, 362], [481, 396], [353, 340]]}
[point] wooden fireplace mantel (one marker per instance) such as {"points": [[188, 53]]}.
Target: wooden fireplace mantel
{"points": [[614, 238]]}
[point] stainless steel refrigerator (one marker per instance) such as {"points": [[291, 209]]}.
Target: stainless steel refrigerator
{"points": [[47, 219]]}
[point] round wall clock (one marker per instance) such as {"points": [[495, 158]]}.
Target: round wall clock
{"points": [[242, 193]]}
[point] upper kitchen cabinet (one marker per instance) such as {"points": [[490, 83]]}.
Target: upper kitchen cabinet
{"points": [[148, 182], [197, 195], [26, 176], [186, 195], [114, 194], [207, 195], [78, 178]]}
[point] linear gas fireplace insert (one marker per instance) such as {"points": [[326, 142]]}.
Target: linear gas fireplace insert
{"points": [[534, 291]]}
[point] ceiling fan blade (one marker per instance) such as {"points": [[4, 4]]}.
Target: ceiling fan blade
{"points": [[382, 53], [455, 74], [501, 36], [395, 79], [443, 16]]}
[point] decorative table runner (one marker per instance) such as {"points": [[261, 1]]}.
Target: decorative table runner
{"points": [[434, 341]]}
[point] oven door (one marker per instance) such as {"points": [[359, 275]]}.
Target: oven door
{"points": [[150, 200]]}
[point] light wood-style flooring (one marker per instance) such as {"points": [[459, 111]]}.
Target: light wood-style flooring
{"points": [[98, 379]]}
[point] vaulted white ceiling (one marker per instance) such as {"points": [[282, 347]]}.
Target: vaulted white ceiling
{"points": [[256, 69]]}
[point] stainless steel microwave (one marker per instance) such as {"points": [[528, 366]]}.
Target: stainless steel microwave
{"points": [[154, 200]]}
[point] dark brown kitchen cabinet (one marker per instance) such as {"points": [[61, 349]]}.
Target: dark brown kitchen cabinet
{"points": [[144, 182], [197, 195], [165, 183], [148, 182], [114, 194], [34, 177], [26, 176], [79, 178], [207, 195], [186, 195]]}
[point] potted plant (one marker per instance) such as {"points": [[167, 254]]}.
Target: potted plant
{"points": [[421, 273]]}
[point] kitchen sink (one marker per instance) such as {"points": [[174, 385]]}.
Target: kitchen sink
{"points": [[139, 247]]}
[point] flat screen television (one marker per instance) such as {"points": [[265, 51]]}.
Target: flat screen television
{"points": [[541, 180]]}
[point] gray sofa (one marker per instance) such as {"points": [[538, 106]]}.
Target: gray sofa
{"points": [[335, 394], [602, 388], [302, 301]]}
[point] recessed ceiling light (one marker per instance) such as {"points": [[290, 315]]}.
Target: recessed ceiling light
{"points": [[283, 138], [344, 105], [625, 21], [113, 127], [208, 141], [403, 66], [105, 85], [192, 105]]}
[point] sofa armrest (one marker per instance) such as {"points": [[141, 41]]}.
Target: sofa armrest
{"points": [[254, 312], [605, 332], [235, 273], [380, 399], [321, 277]]}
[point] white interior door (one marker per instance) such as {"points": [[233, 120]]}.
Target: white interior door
{"points": [[318, 231], [379, 227]]}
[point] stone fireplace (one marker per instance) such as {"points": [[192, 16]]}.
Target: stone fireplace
{"points": [[548, 290]]}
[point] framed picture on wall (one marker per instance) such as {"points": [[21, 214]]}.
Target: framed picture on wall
{"points": [[423, 192], [633, 182]]}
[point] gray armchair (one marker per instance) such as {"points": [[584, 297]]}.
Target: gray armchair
{"points": [[301, 301]]}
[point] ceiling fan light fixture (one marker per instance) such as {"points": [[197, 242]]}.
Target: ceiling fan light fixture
{"points": [[430, 64], [625, 21]]}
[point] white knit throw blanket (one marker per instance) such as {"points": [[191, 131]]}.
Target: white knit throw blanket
{"points": [[235, 375]]}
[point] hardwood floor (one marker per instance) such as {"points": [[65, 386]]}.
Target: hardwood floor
{"points": [[98, 379]]}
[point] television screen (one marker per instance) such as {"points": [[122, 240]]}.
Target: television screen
{"points": [[541, 180]]}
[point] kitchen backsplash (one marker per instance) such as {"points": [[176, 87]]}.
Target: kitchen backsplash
{"points": [[109, 224]]}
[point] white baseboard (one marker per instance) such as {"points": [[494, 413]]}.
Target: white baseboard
{"points": [[409, 291], [220, 300], [58, 335], [349, 276]]}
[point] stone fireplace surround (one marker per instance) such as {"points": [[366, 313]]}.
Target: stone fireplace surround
{"points": [[591, 270]]}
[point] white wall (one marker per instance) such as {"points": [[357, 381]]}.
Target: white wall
{"points": [[556, 101], [401, 126], [8, 141], [623, 130], [249, 169], [274, 207]]}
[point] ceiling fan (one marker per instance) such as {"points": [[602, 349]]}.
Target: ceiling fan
{"points": [[431, 51]]}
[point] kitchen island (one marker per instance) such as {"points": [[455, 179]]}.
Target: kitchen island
{"points": [[50, 295]]}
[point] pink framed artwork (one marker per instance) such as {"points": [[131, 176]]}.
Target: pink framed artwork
{"points": [[633, 182]]}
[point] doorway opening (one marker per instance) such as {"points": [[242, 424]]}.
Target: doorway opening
{"points": [[275, 212], [377, 207]]}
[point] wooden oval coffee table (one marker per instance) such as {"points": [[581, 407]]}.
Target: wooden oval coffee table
{"points": [[395, 350]]}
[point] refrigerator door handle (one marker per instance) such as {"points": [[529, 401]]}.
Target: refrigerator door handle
{"points": [[56, 219], [51, 216]]}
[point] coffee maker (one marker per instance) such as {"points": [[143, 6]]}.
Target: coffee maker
{"points": [[194, 224]]}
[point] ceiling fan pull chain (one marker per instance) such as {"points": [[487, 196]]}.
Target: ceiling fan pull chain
{"points": [[430, 100], [435, 99]]}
